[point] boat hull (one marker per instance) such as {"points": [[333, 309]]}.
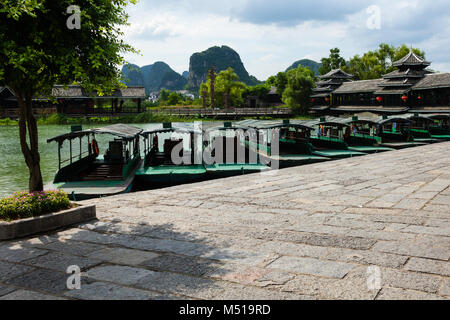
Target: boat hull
{"points": [[225, 170], [157, 176]]}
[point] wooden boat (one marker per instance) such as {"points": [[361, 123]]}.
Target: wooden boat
{"points": [[395, 132], [363, 135], [328, 139], [440, 128], [160, 168], [420, 128], [89, 174], [233, 159], [294, 148]]}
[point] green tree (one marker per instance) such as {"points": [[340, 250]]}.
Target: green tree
{"points": [[374, 64], [261, 91], [281, 82], [299, 89], [174, 99], [229, 87], [39, 50], [204, 94], [334, 61], [164, 95]]}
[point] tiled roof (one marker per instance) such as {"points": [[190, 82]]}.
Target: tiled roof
{"points": [[358, 86], [411, 59], [432, 81], [392, 91], [336, 73], [78, 92]]}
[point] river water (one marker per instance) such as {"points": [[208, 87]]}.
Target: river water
{"points": [[14, 172]]}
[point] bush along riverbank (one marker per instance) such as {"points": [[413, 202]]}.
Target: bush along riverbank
{"points": [[146, 117], [23, 205]]}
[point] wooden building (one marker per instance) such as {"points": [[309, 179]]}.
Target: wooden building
{"points": [[75, 101], [325, 86], [410, 88]]}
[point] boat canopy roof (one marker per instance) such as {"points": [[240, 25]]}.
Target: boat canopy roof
{"points": [[227, 126], [274, 124], [327, 121], [414, 117], [123, 131], [171, 127], [438, 116]]}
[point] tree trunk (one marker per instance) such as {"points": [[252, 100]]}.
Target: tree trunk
{"points": [[212, 77], [204, 99], [227, 100], [27, 122]]}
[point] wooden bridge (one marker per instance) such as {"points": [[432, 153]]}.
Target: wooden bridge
{"points": [[232, 113]]}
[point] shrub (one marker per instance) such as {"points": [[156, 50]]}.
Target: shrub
{"points": [[23, 205]]}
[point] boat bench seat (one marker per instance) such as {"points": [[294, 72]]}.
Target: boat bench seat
{"points": [[104, 172]]}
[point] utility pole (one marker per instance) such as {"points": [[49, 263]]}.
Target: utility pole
{"points": [[212, 77]]}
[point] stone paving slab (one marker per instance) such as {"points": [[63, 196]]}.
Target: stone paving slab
{"points": [[372, 227]]}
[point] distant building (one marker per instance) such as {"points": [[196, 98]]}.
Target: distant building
{"points": [[73, 100], [410, 88], [271, 100]]}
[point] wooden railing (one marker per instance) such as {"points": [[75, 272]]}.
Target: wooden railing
{"points": [[225, 112]]}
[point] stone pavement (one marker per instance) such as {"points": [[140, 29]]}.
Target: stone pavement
{"points": [[373, 227]]}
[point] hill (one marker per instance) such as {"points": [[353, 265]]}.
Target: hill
{"points": [[313, 65], [219, 58], [153, 77]]}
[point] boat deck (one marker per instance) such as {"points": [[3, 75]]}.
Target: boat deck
{"points": [[171, 169], [237, 167], [402, 145], [338, 153], [369, 149]]}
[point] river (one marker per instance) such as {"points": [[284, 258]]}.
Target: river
{"points": [[14, 172]]}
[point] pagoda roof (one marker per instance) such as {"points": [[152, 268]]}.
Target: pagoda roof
{"points": [[337, 74], [411, 59], [321, 89], [409, 73]]}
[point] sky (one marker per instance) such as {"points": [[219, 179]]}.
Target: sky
{"points": [[270, 35]]}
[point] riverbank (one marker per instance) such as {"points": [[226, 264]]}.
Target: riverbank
{"points": [[145, 117]]}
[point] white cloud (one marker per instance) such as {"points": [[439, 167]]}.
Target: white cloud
{"points": [[269, 36]]}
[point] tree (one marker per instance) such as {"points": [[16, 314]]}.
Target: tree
{"points": [[299, 89], [41, 45], [281, 82], [227, 84], [164, 95], [375, 64], [334, 61], [174, 99], [204, 94], [212, 82], [261, 91]]}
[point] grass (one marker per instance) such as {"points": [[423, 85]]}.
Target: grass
{"points": [[22, 205]]}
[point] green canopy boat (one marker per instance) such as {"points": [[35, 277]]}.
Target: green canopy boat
{"points": [[91, 175], [228, 155], [395, 132], [294, 148], [440, 128], [170, 157], [420, 128], [328, 139]]}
